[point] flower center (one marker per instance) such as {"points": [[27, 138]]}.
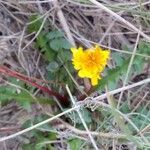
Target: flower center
{"points": [[91, 61]]}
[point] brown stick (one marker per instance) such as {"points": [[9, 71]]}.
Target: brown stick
{"points": [[63, 99]]}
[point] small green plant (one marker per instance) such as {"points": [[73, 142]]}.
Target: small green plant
{"points": [[56, 52]]}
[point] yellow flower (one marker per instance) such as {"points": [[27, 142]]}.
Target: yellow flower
{"points": [[90, 63]]}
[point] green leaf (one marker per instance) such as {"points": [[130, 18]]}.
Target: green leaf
{"points": [[51, 76], [44, 144], [43, 100], [49, 54], [56, 44], [65, 44], [85, 114], [36, 23], [28, 147], [54, 35], [75, 144], [41, 40], [117, 58], [139, 61], [125, 108], [53, 66], [144, 48], [65, 55], [59, 44], [23, 98], [112, 76]]}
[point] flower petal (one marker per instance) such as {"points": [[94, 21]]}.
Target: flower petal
{"points": [[82, 73], [94, 81]]}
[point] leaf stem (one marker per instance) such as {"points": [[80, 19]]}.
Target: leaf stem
{"points": [[11, 73]]}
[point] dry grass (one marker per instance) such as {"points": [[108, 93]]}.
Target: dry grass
{"points": [[113, 25]]}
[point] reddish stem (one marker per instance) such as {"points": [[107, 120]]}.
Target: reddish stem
{"points": [[9, 72]]}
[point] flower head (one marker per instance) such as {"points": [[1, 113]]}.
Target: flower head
{"points": [[90, 63]]}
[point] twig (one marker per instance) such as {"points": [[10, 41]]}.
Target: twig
{"points": [[33, 2], [6, 71], [112, 24], [38, 32], [121, 89], [119, 120], [129, 68], [9, 129], [89, 44], [36, 125], [120, 18], [99, 134], [11, 14], [108, 135], [82, 120], [74, 81], [137, 106], [39, 6], [64, 23], [20, 55]]}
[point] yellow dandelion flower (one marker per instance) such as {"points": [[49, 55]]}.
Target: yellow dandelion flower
{"points": [[90, 63]]}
